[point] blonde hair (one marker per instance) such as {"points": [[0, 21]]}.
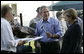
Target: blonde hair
{"points": [[71, 13]]}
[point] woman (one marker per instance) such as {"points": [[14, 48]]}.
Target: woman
{"points": [[72, 37]]}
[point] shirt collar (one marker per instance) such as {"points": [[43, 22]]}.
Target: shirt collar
{"points": [[3, 18], [46, 21]]}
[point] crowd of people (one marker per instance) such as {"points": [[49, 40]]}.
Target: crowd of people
{"points": [[60, 35]]}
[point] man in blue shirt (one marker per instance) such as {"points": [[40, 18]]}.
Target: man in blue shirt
{"points": [[51, 31]]}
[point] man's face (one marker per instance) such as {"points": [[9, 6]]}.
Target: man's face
{"points": [[45, 13], [9, 16]]}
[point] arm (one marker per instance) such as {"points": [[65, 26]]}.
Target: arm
{"points": [[57, 29], [11, 42], [37, 44], [37, 31]]}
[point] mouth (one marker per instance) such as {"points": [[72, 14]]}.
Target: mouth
{"points": [[46, 16]]}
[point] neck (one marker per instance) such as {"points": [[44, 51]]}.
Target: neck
{"points": [[7, 19], [72, 22], [44, 19]]}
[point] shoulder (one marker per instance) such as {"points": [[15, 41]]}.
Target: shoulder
{"points": [[32, 19], [4, 23], [80, 20], [39, 22], [76, 26], [54, 19]]}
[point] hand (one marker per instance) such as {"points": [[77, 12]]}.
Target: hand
{"points": [[48, 34], [56, 36], [21, 42]]}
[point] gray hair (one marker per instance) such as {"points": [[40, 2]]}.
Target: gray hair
{"points": [[4, 10], [42, 8]]}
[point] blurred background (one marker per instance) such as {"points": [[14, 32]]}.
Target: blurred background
{"points": [[28, 8]]}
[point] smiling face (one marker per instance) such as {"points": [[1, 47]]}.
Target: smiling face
{"points": [[45, 13]]}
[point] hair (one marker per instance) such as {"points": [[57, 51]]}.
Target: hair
{"points": [[58, 14], [71, 13], [38, 9], [4, 10], [43, 7]]}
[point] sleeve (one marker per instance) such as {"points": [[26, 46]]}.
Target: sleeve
{"points": [[37, 31], [11, 42], [58, 28]]}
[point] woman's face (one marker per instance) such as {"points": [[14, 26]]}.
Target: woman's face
{"points": [[67, 19]]}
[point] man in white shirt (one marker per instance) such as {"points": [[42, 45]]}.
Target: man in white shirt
{"points": [[8, 43]]}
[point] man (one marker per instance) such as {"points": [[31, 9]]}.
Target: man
{"points": [[8, 43], [33, 23], [63, 25], [62, 21], [51, 31]]}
